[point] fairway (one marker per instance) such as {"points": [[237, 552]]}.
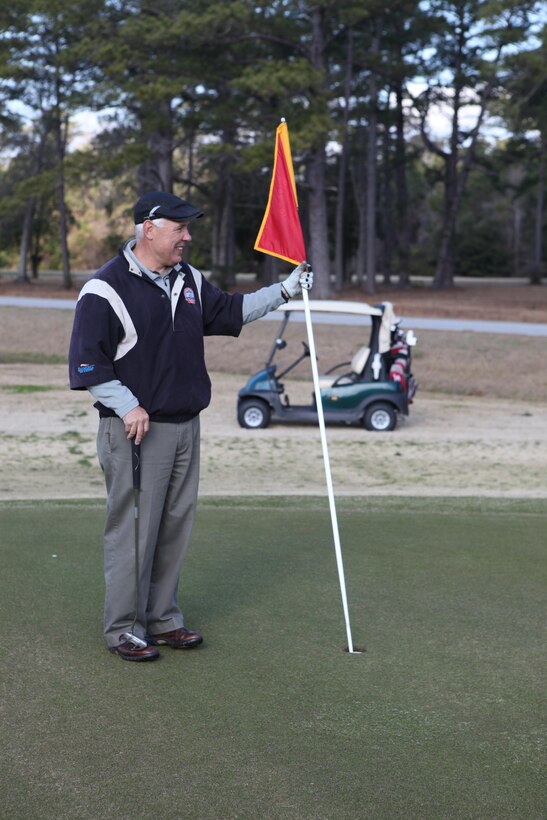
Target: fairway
{"points": [[442, 717]]}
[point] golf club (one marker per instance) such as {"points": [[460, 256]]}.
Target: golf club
{"points": [[136, 469]]}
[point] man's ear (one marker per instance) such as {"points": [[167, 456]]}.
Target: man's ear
{"points": [[148, 228]]}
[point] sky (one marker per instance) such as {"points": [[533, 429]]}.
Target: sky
{"points": [[88, 123]]}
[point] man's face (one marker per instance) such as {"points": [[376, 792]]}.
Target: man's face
{"points": [[168, 241]]}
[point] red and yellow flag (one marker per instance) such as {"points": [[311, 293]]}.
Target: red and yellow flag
{"points": [[281, 232]]}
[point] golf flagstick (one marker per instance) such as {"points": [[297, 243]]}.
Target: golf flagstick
{"points": [[326, 461], [281, 235]]}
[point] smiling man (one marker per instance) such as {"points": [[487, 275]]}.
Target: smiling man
{"points": [[137, 346]]}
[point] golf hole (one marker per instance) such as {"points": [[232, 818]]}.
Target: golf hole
{"points": [[357, 650]]}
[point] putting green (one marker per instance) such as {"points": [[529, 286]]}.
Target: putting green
{"points": [[440, 718]]}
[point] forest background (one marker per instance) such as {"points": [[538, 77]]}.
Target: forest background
{"points": [[418, 132]]}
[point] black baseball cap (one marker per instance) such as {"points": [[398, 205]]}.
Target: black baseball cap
{"points": [[160, 204]]}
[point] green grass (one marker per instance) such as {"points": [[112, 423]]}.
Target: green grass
{"points": [[26, 388], [31, 357], [441, 718]]}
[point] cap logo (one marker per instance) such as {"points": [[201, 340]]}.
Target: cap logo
{"points": [[153, 211]]}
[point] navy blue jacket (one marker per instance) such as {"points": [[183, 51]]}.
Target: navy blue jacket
{"points": [[127, 328]]}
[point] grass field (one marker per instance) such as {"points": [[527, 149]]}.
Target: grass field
{"points": [[440, 718]]}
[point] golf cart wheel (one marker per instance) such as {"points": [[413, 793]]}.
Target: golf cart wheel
{"points": [[380, 417], [253, 414]]}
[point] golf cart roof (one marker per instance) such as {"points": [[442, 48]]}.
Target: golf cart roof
{"points": [[332, 306]]}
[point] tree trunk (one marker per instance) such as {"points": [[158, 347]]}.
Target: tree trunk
{"points": [[67, 277], [403, 221], [456, 178], [30, 209], [517, 237], [444, 273], [317, 168], [36, 237], [455, 182], [60, 139], [223, 255], [319, 247], [270, 269], [359, 186], [370, 282], [191, 141], [536, 275], [162, 145], [26, 236], [388, 233], [342, 172]]}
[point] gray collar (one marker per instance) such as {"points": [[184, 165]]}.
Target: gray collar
{"points": [[137, 267]]}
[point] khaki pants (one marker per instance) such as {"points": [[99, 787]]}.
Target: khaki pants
{"points": [[167, 505]]}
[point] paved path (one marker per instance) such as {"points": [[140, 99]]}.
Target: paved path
{"points": [[427, 323], [416, 323], [30, 302]]}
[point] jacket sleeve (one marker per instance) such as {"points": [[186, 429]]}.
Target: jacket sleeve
{"points": [[96, 335], [261, 302], [222, 312]]}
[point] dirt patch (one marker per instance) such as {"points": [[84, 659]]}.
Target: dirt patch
{"points": [[448, 446], [477, 426]]}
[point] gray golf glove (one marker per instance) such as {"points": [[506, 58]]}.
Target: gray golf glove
{"points": [[301, 277]]}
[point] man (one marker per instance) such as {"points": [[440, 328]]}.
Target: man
{"points": [[137, 346]]}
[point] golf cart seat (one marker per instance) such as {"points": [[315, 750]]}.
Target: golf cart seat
{"points": [[357, 366]]}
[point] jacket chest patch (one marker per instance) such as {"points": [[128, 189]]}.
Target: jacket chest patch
{"points": [[189, 295]]}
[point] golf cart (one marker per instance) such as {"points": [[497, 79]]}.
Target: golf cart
{"points": [[372, 389]]}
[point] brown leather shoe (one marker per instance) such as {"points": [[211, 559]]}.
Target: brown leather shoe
{"points": [[181, 638], [130, 651]]}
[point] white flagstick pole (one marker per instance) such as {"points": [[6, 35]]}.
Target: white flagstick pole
{"points": [[321, 417]]}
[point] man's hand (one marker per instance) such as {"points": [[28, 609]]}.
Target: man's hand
{"points": [[137, 424], [301, 277]]}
